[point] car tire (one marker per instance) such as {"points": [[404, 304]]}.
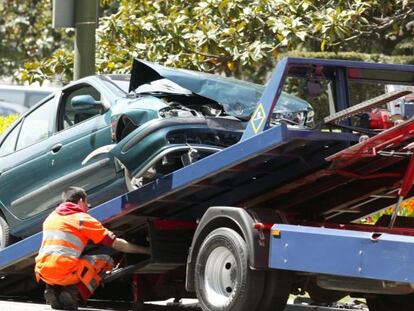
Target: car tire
{"points": [[390, 302], [128, 181], [4, 233], [223, 278], [278, 285]]}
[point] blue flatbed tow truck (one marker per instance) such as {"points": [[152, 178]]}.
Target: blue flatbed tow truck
{"points": [[282, 211]]}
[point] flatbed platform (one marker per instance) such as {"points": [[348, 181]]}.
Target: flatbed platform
{"points": [[235, 176]]}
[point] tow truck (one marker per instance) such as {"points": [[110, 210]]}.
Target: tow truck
{"points": [[279, 212]]}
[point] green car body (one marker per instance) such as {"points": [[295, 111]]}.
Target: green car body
{"points": [[112, 134]]}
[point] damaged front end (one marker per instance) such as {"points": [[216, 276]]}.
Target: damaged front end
{"points": [[165, 145], [175, 117]]}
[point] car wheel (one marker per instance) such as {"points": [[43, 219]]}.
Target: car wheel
{"points": [[223, 278], [4, 233], [390, 302], [129, 181]]}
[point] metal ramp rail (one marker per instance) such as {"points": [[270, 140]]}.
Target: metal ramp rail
{"points": [[228, 177]]}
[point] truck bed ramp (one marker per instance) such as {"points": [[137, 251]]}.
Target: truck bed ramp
{"points": [[229, 177]]}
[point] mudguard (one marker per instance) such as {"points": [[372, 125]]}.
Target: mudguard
{"points": [[242, 221]]}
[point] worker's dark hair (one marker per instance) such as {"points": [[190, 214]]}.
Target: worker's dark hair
{"points": [[73, 194]]}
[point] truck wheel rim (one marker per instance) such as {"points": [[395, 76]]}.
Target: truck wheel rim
{"points": [[220, 277]]}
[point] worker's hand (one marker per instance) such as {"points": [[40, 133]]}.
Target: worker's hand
{"points": [[127, 247]]}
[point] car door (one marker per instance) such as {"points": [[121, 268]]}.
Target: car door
{"points": [[78, 134], [25, 163]]}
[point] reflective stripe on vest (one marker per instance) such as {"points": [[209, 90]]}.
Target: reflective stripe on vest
{"points": [[92, 285], [93, 258], [63, 236], [59, 250]]}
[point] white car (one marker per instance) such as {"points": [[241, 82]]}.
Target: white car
{"points": [[7, 108]]}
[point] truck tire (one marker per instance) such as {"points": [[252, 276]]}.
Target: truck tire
{"points": [[223, 278], [278, 286], [4, 233], [322, 295], [390, 302]]}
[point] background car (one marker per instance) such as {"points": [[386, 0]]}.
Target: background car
{"points": [[23, 95], [114, 133], [7, 108]]}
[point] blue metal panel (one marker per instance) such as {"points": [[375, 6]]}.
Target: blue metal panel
{"points": [[267, 102], [343, 252], [20, 250]]}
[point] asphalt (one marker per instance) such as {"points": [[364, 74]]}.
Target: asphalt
{"points": [[99, 306]]}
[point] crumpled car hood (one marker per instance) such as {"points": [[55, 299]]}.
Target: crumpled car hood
{"points": [[239, 98], [204, 84]]}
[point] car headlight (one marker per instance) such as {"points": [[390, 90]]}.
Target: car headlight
{"points": [[301, 118]]}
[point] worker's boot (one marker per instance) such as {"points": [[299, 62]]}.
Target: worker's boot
{"points": [[51, 296], [68, 298]]}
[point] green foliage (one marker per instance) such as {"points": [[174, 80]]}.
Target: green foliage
{"points": [[235, 37], [26, 34], [59, 66], [5, 122], [406, 209]]}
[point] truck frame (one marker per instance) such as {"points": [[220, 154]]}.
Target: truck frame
{"points": [[277, 213]]}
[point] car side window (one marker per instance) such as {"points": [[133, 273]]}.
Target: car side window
{"points": [[9, 143], [35, 126], [68, 115]]}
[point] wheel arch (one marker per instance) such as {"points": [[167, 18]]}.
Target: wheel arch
{"points": [[124, 126], [4, 213], [5, 237], [238, 219]]}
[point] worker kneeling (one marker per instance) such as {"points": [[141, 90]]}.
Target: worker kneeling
{"points": [[60, 264]]}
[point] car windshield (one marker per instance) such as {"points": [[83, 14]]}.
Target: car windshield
{"points": [[118, 84], [238, 98]]}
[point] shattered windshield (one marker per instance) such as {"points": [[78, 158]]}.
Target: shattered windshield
{"points": [[238, 98]]}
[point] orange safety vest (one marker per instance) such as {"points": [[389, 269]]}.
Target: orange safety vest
{"points": [[59, 261]]}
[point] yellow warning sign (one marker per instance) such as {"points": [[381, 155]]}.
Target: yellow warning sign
{"points": [[259, 116]]}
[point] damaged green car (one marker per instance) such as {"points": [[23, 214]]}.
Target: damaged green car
{"points": [[111, 134]]}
